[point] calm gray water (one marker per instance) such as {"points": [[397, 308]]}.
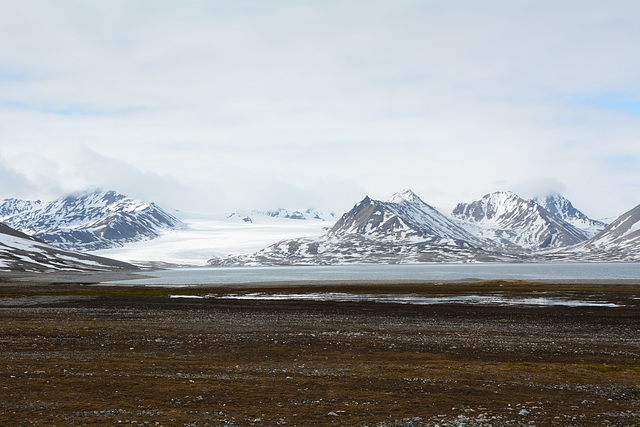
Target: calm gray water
{"points": [[427, 272]]}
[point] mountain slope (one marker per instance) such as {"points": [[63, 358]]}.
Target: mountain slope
{"points": [[21, 252], [619, 241], [89, 220], [512, 221], [561, 207], [403, 229], [12, 207]]}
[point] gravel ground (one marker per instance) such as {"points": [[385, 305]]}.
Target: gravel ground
{"points": [[76, 354]]}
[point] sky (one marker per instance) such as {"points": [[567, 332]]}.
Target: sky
{"points": [[212, 106]]}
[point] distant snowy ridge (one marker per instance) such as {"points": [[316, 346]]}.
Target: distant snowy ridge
{"points": [[305, 215], [12, 207], [20, 252], [89, 220]]}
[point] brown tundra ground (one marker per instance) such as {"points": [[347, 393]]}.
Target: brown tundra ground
{"points": [[77, 354]]}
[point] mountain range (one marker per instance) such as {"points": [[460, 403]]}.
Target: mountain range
{"points": [[499, 227], [402, 229], [282, 213]]}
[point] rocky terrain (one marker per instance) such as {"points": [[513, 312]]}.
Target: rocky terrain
{"points": [[78, 354], [22, 253]]}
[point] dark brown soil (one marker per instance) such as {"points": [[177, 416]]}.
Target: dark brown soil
{"points": [[77, 354]]}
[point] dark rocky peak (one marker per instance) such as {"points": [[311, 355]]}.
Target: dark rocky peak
{"points": [[356, 220]]}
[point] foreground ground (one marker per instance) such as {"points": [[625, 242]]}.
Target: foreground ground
{"points": [[80, 354]]}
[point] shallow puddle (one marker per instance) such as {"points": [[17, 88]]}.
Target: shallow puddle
{"points": [[413, 299]]}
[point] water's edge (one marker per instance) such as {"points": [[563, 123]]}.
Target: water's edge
{"points": [[578, 272]]}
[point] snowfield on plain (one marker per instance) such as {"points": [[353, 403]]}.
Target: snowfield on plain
{"points": [[221, 235]]}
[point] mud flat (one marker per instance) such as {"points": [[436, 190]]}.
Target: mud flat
{"points": [[488, 353]]}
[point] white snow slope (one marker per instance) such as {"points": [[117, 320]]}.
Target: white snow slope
{"points": [[220, 235]]}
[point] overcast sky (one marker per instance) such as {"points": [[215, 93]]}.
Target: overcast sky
{"points": [[219, 105]]}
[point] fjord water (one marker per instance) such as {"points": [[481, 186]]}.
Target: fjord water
{"points": [[404, 272]]}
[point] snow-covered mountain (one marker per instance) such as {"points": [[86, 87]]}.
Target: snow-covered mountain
{"points": [[510, 221], [404, 217], [619, 241], [20, 252], [89, 220], [305, 215], [564, 209], [13, 207], [403, 229]]}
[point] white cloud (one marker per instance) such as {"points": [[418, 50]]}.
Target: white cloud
{"points": [[249, 100], [13, 182]]}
